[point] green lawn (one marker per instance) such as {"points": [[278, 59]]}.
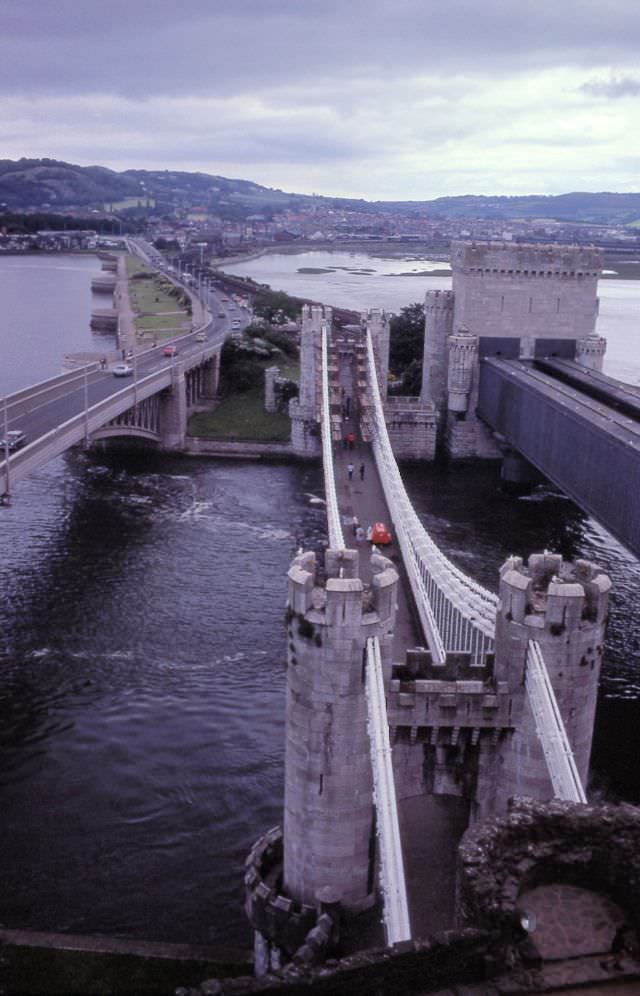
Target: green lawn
{"points": [[242, 417], [150, 298], [159, 322]]}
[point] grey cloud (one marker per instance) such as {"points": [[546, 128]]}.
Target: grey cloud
{"points": [[613, 87], [199, 47]]}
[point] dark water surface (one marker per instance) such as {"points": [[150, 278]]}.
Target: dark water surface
{"points": [[142, 679]]}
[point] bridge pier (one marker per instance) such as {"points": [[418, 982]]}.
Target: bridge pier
{"points": [[173, 412], [517, 475]]}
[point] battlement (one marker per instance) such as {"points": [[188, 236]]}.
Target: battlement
{"points": [[526, 260], [551, 594], [438, 300], [437, 705], [315, 315], [337, 594]]}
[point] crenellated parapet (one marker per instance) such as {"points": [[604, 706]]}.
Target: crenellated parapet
{"points": [[514, 260]]}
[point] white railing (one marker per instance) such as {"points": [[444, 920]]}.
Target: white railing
{"points": [[457, 613], [550, 728], [392, 878], [336, 538]]}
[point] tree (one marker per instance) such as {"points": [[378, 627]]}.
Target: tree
{"points": [[406, 338], [275, 306]]}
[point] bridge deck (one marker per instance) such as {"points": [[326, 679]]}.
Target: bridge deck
{"points": [[430, 826], [365, 499], [589, 449]]}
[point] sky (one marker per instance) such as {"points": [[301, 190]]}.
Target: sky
{"points": [[381, 99]]}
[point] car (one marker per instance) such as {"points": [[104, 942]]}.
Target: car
{"points": [[380, 535], [170, 351], [200, 337], [235, 324], [221, 314], [14, 440], [122, 370]]}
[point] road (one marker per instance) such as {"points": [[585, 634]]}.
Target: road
{"points": [[38, 410]]}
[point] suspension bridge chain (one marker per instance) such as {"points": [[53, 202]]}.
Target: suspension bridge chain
{"points": [[392, 878], [550, 728], [336, 538], [456, 612]]}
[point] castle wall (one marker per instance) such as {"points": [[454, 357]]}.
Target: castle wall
{"points": [[412, 428]]}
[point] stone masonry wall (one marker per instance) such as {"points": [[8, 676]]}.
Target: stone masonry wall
{"points": [[328, 811], [501, 289]]}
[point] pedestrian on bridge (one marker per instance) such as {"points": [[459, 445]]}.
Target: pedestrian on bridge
{"points": [[350, 471], [362, 472], [355, 522]]}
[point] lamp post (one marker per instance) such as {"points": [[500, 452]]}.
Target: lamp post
{"points": [[7, 480]]}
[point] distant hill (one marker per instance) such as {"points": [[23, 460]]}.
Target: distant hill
{"points": [[596, 208], [52, 185]]}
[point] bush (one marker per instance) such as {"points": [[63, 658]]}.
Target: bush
{"points": [[281, 340]]}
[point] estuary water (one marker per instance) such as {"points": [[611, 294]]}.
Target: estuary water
{"points": [[359, 281], [142, 660]]}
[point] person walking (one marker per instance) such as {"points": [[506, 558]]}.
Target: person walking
{"points": [[351, 440], [355, 523], [350, 471], [362, 472]]}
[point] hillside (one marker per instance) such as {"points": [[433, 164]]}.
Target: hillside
{"points": [[53, 185]]}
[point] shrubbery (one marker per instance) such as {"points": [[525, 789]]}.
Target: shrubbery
{"points": [[406, 346]]}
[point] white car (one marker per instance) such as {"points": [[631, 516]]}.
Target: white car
{"points": [[122, 370]]}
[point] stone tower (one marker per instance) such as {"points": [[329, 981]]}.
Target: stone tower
{"points": [[438, 326], [517, 299], [377, 323], [563, 607], [526, 292], [305, 409], [590, 351], [328, 818]]}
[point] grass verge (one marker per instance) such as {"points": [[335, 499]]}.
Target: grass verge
{"points": [[242, 418]]}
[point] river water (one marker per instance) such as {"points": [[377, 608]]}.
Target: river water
{"points": [[142, 649]]}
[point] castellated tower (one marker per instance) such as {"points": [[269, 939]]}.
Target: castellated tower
{"points": [[525, 291], [305, 409], [563, 607], [377, 324], [535, 296], [438, 326], [590, 352], [328, 819], [463, 360]]}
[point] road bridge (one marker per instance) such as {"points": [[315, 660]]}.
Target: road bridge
{"points": [[89, 404]]}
